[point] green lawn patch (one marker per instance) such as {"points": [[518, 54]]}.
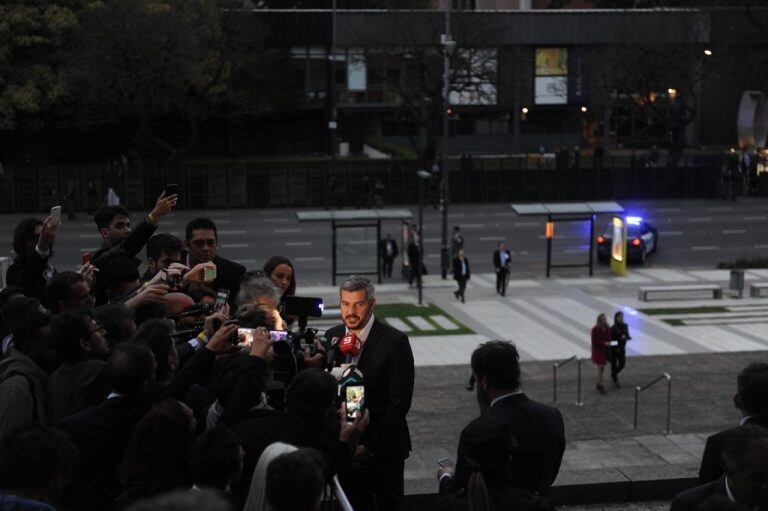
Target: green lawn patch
{"points": [[402, 311], [684, 310]]}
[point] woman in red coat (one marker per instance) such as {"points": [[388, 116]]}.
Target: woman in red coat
{"points": [[601, 342]]}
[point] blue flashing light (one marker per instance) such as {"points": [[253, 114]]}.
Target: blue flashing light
{"points": [[634, 220]]}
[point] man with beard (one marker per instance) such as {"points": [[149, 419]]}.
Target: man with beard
{"points": [[538, 429], [386, 362]]}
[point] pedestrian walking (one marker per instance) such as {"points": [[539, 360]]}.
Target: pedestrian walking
{"points": [[502, 258], [619, 338], [388, 251], [415, 259], [461, 274], [457, 241], [601, 343], [92, 195], [70, 201]]}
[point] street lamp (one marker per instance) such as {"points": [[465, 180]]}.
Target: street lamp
{"points": [[449, 45], [424, 176], [708, 52]]}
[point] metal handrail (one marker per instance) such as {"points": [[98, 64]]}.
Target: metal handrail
{"points": [[638, 390], [558, 365], [340, 495]]}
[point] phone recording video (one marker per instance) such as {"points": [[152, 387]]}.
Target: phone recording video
{"points": [[171, 189], [221, 298], [56, 214], [446, 463], [278, 335], [244, 337], [355, 400]]}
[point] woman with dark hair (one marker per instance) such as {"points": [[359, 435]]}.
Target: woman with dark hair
{"points": [[156, 459], [32, 246], [282, 274], [155, 334]]}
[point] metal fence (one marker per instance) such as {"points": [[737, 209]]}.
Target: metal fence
{"points": [[345, 183]]}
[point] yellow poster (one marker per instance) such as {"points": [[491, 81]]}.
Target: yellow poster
{"points": [[551, 61]]}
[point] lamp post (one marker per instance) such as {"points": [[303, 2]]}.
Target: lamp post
{"points": [[423, 177], [448, 47], [332, 122]]}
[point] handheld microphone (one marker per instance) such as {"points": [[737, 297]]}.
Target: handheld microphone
{"points": [[330, 358], [350, 346]]}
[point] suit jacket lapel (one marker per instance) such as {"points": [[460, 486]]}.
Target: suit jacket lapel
{"points": [[370, 341]]}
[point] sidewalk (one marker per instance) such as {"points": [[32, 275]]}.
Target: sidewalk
{"points": [[550, 320]]}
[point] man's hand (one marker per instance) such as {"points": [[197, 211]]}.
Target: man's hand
{"points": [[214, 321], [149, 294], [196, 274], [47, 235], [219, 343], [164, 205], [317, 360], [88, 271], [350, 432], [442, 471], [261, 346]]}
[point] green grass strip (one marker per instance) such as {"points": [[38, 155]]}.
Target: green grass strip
{"points": [[401, 311], [684, 310]]}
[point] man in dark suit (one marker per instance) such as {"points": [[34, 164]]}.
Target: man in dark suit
{"points": [[201, 245], [538, 429], [745, 482], [386, 362], [388, 250], [501, 261], [461, 274], [752, 399]]}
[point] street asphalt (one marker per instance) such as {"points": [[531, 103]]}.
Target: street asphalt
{"points": [[692, 234]]}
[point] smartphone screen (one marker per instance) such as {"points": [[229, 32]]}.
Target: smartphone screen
{"points": [[278, 335], [86, 258], [245, 336], [56, 214], [446, 463], [354, 399], [221, 298], [171, 189]]}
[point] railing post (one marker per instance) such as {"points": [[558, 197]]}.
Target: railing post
{"points": [[578, 385], [554, 383], [669, 402], [637, 401]]}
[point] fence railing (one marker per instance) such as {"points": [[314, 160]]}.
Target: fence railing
{"points": [[639, 389], [35, 188], [334, 497], [556, 366]]}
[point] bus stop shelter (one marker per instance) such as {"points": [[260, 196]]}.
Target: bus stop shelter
{"points": [[568, 212], [355, 238]]}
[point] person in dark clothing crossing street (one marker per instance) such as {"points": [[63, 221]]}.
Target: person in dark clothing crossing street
{"points": [[601, 343], [388, 250], [619, 337], [502, 258], [461, 274]]}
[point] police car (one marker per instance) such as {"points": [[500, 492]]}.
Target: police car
{"points": [[642, 239]]}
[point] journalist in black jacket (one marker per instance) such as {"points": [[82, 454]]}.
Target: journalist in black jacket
{"points": [[114, 226], [386, 362]]}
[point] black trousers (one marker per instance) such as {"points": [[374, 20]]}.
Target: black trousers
{"points": [[462, 281], [376, 485], [386, 266], [618, 357], [501, 281]]}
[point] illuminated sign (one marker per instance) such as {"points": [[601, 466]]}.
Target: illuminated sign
{"points": [[551, 83], [617, 240]]}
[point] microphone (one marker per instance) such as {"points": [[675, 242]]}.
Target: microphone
{"points": [[350, 346], [330, 358]]}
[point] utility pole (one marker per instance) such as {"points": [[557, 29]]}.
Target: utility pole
{"points": [[332, 122], [448, 46]]}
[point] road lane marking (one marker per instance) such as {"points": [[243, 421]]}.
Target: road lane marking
{"points": [[472, 226], [275, 220], [527, 224], [700, 219], [705, 247], [734, 231], [508, 213], [232, 233], [720, 208], [298, 244], [88, 236], [668, 210], [761, 246], [754, 218], [307, 259], [235, 245], [670, 233], [285, 231], [245, 261], [491, 238]]}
